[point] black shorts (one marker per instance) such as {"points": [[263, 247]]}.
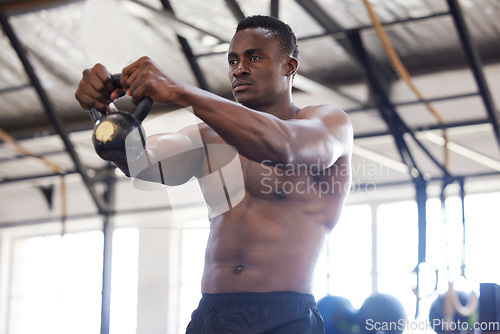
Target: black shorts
{"points": [[252, 313]]}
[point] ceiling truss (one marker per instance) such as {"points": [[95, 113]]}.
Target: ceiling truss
{"points": [[343, 36]]}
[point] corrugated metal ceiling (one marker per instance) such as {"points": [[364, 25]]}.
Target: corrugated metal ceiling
{"points": [[61, 38]]}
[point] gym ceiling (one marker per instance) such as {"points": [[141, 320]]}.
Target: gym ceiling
{"points": [[449, 48]]}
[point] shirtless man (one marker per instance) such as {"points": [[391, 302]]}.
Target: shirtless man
{"points": [[262, 252]]}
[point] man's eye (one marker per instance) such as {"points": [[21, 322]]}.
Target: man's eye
{"points": [[232, 61], [254, 57]]}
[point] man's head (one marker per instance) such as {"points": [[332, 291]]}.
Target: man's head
{"points": [[282, 31], [262, 62]]}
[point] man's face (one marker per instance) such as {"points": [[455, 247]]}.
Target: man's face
{"points": [[257, 68]]}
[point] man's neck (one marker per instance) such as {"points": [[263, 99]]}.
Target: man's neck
{"points": [[284, 112], [283, 108]]}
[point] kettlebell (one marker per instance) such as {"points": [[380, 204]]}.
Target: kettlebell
{"points": [[111, 129]]}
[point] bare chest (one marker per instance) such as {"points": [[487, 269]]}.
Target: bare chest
{"points": [[227, 178], [266, 181]]}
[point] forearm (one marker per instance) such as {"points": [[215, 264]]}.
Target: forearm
{"points": [[316, 136], [260, 136], [257, 135]]}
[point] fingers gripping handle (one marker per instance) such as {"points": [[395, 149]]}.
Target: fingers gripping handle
{"points": [[95, 114], [140, 112], [143, 107]]}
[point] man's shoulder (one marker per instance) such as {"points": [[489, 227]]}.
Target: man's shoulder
{"points": [[335, 120], [321, 111], [330, 115]]}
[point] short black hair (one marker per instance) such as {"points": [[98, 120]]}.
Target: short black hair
{"points": [[285, 34]]}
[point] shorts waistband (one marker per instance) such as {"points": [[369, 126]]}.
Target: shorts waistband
{"points": [[256, 298]]}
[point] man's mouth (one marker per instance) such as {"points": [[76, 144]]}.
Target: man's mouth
{"points": [[241, 85]]}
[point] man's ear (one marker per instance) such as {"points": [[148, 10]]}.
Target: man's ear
{"points": [[291, 66]]}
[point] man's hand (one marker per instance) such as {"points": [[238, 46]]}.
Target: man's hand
{"points": [[145, 78], [96, 89]]}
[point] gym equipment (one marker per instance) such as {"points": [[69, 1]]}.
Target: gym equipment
{"points": [[382, 313], [489, 304], [338, 315], [111, 129], [442, 322], [424, 280], [454, 307]]}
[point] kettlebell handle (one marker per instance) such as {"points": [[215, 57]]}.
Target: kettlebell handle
{"points": [[141, 110], [115, 79]]}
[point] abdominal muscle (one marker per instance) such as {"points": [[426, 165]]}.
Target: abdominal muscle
{"points": [[250, 250]]}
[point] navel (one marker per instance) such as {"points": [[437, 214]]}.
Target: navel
{"points": [[238, 270], [280, 193]]}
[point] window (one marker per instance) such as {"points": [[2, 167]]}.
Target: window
{"points": [[444, 239], [56, 283], [397, 251], [482, 231], [349, 257], [398, 246], [193, 244], [124, 281]]}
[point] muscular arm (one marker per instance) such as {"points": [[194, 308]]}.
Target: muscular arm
{"points": [[316, 138], [171, 158]]}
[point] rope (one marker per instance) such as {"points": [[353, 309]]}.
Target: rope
{"points": [[405, 76], [452, 301], [53, 166]]}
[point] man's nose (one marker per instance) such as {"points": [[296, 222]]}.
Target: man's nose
{"points": [[241, 71]]}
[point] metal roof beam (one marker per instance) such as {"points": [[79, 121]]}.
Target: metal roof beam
{"points": [[188, 52], [193, 62], [386, 110], [341, 33], [384, 71], [235, 9], [37, 221], [320, 16], [142, 10], [34, 177], [13, 89], [474, 61], [396, 125], [465, 152], [49, 110], [427, 128], [167, 6], [413, 102], [275, 8]]}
